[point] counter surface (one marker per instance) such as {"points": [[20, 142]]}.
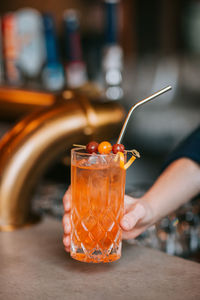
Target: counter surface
{"points": [[34, 265]]}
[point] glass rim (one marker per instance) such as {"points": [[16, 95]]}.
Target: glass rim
{"points": [[75, 150]]}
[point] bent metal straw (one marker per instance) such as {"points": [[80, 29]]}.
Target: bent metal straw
{"points": [[164, 90]]}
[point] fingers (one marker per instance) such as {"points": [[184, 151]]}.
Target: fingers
{"points": [[66, 242], [66, 219], [67, 249], [132, 234], [67, 230], [66, 223], [132, 217], [67, 200]]}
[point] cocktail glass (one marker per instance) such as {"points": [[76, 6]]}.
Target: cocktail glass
{"points": [[98, 184]]}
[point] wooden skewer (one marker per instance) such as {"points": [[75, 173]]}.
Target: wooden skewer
{"points": [[80, 146]]}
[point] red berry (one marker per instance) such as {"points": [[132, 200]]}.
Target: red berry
{"points": [[105, 147], [118, 148], [92, 147]]}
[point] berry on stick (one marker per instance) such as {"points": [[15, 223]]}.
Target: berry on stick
{"points": [[105, 147]]}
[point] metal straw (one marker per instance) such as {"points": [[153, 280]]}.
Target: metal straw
{"points": [[164, 90]]}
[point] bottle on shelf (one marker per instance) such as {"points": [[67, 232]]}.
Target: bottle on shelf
{"points": [[75, 69], [31, 45], [53, 73], [11, 50], [112, 61]]}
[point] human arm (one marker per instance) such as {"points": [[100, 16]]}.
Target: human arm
{"points": [[178, 183]]}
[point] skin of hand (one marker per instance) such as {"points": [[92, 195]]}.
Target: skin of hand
{"points": [[179, 183]]}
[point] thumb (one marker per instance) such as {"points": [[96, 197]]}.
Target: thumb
{"points": [[132, 217]]}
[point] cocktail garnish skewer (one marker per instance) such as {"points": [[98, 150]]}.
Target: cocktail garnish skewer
{"points": [[79, 146]]}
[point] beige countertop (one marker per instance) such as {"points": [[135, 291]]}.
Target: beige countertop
{"points": [[33, 265]]}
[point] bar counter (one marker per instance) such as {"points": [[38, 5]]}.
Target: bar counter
{"points": [[34, 265]]}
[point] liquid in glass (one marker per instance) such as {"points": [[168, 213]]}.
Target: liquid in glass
{"points": [[98, 184]]}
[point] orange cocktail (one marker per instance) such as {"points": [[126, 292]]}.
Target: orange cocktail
{"points": [[98, 184]]}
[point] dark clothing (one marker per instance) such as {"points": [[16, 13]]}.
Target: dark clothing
{"points": [[189, 148]]}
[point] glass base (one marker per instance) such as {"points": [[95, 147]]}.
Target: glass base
{"points": [[96, 256], [84, 258]]}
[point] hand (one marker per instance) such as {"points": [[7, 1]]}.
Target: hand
{"points": [[137, 218], [66, 219]]}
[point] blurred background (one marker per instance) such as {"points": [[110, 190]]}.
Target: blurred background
{"points": [[112, 51]]}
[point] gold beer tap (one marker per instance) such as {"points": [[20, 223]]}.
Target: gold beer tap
{"points": [[38, 140], [15, 103]]}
